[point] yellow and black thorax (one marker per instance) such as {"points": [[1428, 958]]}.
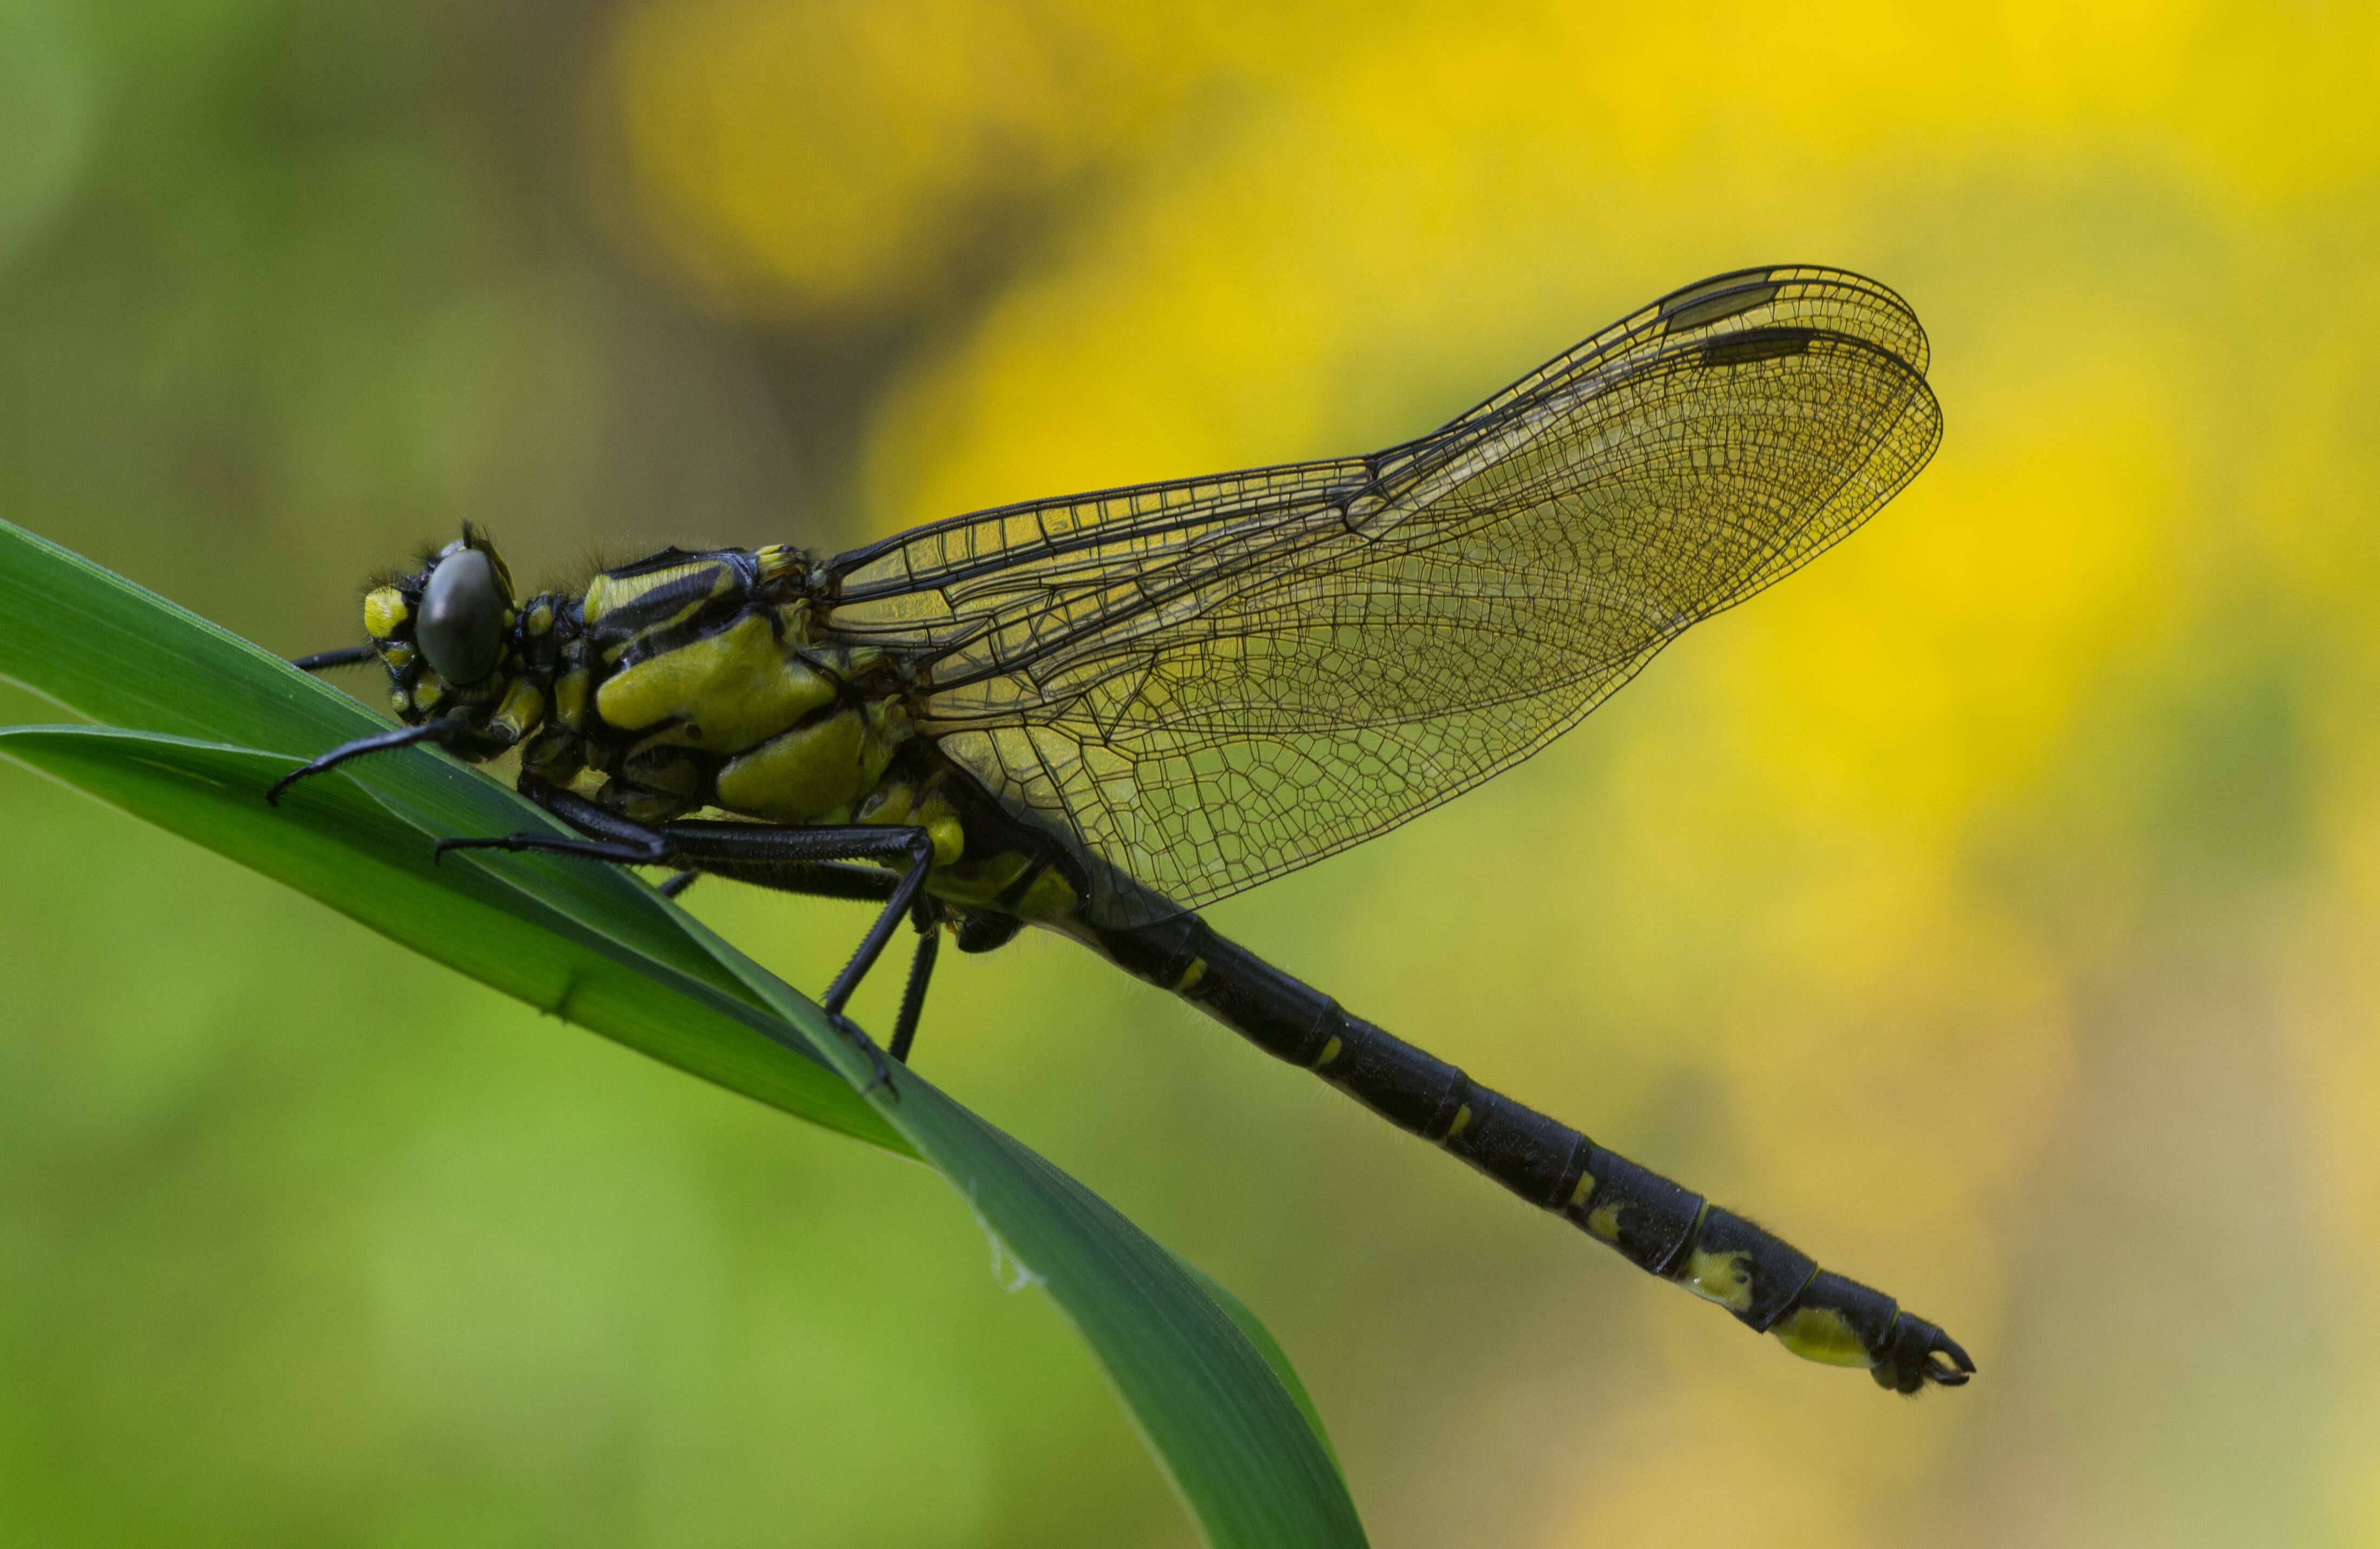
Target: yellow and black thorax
{"points": [[689, 681]]}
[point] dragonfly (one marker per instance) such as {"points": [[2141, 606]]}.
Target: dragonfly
{"points": [[1096, 713]]}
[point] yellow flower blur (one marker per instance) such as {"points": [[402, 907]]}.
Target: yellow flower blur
{"points": [[1872, 870]]}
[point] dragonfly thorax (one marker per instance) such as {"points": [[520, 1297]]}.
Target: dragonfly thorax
{"points": [[682, 681], [705, 680], [693, 680]]}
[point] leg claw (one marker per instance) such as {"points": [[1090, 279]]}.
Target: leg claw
{"points": [[884, 1068]]}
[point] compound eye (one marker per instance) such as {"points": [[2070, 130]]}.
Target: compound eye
{"points": [[461, 628]]}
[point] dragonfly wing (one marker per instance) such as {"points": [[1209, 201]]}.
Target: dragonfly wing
{"points": [[1212, 682]]}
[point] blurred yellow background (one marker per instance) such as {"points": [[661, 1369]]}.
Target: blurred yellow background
{"points": [[1992, 908]]}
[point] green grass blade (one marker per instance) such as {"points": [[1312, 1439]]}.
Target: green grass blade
{"points": [[1210, 1390], [116, 653], [1269, 1348], [1207, 1385], [331, 841]]}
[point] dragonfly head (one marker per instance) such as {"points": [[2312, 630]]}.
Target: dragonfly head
{"points": [[467, 612], [459, 647]]}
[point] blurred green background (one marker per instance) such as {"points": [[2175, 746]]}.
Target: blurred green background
{"points": [[1992, 907]]}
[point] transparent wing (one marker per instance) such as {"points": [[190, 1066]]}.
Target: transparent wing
{"points": [[1210, 682]]}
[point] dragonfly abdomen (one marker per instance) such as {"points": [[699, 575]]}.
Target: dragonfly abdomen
{"points": [[1656, 1224]]}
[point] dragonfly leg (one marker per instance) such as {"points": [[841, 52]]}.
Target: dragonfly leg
{"points": [[871, 945], [921, 970], [441, 732], [346, 656], [827, 879], [794, 859], [607, 835], [754, 851]]}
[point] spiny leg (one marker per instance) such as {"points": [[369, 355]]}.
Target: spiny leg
{"points": [[805, 877], [921, 970], [866, 884], [610, 836], [440, 731], [920, 851], [794, 860], [705, 844], [749, 848], [803, 859], [346, 656]]}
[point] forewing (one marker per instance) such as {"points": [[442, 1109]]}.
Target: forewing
{"points": [[1212, 682]]}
